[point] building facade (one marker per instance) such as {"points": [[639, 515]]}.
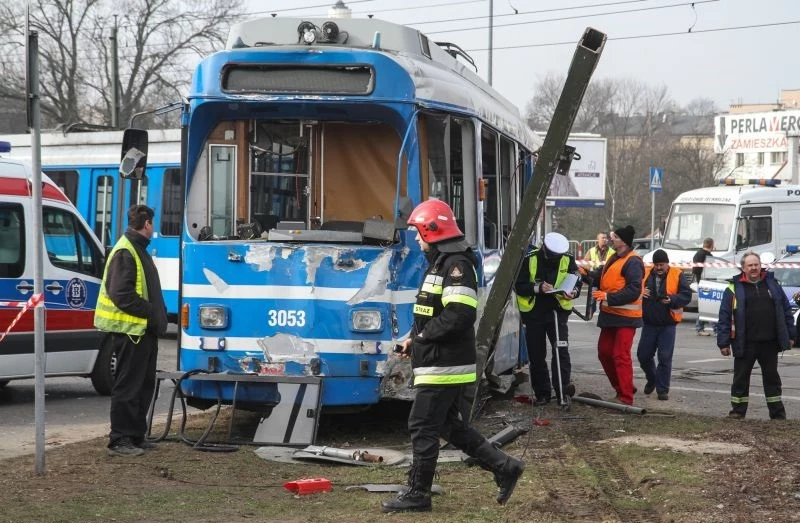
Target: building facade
{"points": [[761, 140]]}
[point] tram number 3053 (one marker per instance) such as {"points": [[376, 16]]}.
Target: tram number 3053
{"points": [[286, 318]]}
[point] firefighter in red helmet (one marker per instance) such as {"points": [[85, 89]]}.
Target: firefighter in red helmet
{"points": [[441, 346]]}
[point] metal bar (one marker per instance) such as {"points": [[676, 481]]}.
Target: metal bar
{"points": [[610, 405], [583, 64]]}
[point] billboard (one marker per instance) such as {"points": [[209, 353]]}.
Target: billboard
{"points": [[755, 132], [585, 185]]}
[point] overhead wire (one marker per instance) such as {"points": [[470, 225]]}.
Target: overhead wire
{"points": [[536, 11], [575, 17], [652, 35]]}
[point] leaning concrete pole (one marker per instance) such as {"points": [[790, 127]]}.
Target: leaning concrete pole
{"points": [[583, 64]]}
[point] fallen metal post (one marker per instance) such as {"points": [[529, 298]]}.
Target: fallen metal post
{"points": [[610, 405], [584, 61]]}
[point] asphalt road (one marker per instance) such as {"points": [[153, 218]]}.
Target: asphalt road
{"points": [[700, 384]]}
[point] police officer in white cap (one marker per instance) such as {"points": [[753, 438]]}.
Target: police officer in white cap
{"points": [[545, 304]]}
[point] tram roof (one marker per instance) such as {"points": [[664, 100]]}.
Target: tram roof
{"points": [[94, 148], [438, 77]]}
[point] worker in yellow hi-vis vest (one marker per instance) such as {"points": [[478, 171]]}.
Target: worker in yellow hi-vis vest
{"points": [[546, 284], [131, 309]]}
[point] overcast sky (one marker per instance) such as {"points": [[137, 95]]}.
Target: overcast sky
{"points": [[728, 66]]}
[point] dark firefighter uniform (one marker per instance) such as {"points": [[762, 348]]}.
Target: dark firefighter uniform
{"points": [[443, 361]]}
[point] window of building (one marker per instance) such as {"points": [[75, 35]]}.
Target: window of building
{"points": [[760, 158], [777, 157], [739, 159]]}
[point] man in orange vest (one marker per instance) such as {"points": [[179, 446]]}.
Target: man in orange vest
{"points": [[665, 292], [620, 296]]}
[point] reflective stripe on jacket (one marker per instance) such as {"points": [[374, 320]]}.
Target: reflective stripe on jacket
{"points": [[612, 281], [107, 316], [526, 303], [443, 348], [673, 282]]}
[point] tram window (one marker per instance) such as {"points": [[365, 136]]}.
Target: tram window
{"points": [[12, 241], [446, 160], [491, 205], [104, 201], [138, 192], [450, 159], [280, 173], [68, 246], [171, 203], [67, 181], [222, 171], [507, 206]]}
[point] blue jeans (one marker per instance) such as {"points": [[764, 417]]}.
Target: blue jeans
{"points": [[699, 325], [657, 341]]}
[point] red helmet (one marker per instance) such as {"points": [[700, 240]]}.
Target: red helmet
{"points": [[435, 221]]}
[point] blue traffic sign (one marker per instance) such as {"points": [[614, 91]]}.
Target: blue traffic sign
{"points": [[656, 178]]}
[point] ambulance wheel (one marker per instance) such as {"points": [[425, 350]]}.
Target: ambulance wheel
{"points": [[104, 368], [3, 383]]}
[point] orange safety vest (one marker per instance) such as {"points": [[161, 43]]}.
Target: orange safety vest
{"points": [[673, 281], [612, 281]]}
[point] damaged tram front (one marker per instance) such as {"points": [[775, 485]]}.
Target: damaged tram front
{"points": [[307, 144]]}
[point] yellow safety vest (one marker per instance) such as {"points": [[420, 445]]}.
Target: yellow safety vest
{"points": [[526, 303], [107, 316]]}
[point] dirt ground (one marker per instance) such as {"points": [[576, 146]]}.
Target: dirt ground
{"points": [[585, 465]]}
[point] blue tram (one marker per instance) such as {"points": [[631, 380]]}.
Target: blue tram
{"points": [[308, 142]]}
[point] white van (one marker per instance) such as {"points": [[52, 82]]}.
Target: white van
{"points": [[741, 215], [73, 268]]}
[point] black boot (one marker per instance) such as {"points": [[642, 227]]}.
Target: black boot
{"points": [[507, 470], [418, 497]]}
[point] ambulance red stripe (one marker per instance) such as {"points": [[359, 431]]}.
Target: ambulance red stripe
{"points": [[20, 187]]}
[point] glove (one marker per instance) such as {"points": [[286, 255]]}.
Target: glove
{"points": [[600, 295]]}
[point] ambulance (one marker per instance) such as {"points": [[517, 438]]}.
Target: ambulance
{"points": [[73, 267]]}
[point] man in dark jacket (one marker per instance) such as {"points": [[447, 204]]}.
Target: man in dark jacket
{"points": [[543, 270], [619, 293], [665, 292], [697, 273], [442, 349], [755, 324], [131, 308]]}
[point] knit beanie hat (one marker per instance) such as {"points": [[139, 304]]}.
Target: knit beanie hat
{"points": [[626, 234], [660, 256]]}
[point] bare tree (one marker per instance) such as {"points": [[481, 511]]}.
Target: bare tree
{"points": [[157, 41], [644, 128]]}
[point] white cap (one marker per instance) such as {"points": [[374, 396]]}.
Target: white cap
{"points": [[556, 243]]}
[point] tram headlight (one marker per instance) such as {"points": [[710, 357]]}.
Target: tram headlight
{"points": [[365, 320], [213, 316]]}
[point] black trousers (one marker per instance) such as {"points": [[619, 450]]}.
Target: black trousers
{"points": [[441, 411], [766, 354], [135, 380], [537, 333]]}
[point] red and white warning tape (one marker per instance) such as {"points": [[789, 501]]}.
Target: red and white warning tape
{"points": [[691, 265], [33, 301]]}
